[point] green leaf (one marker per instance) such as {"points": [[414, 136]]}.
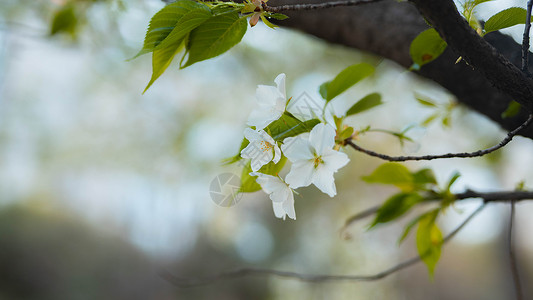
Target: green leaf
{"points": [[287, 126], [424, 176], [346, 133], [267, 22], [323, 90], [429, 241], [277, 16], [506, 18], [248, 182], [512, 110], [452, 180], [426, 47], [161, 59], [391, 173], [395, 207], [214, 37], [189, 21], [65, 20], [368, 102], [413, 222], [347, 78], [165, 21]]}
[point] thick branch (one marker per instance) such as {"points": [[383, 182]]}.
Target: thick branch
{"points": [[525, 40], [300, 7], [454, 29], [387, 29]]}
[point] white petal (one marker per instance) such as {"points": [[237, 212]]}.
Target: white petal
{"points": [[261, 117], [252, 135], [281, 194], [267, 95], [296, 148], [260, 160], [324, 181], [280, 83], [288, 206], [266, 137], [279, 212], [301, 174], [334, 160], [277, 153], [271, 184], [251, 151], [322, 137]]}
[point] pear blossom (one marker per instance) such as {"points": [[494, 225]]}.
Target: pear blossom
{"points": [[314, 161], [279, 192], [272, 101], [261, 150]]}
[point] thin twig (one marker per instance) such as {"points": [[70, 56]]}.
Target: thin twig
{"points": [[299, 7], [238, 273], [502, 196], [359, 216], [478, 153], [512, 256], [525, 40]]}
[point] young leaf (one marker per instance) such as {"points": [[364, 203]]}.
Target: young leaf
{"points": [[506, 18], [347, 78], [426, 47], [452, 180], [395, 207], [287, 125], [164, 22], [214, 37], [248, 183], [512, 110], [267, 22], [190, 20], [424, 176], [161, 59], [368, 102], [323, 90], [346, 133], [429, 241], [65, 20], [391, 173], [277, 16]]}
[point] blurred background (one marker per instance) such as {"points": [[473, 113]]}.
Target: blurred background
{"points": [[103, 189]]}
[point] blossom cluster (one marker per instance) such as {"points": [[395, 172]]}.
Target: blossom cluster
{"points": [[312, 154]]}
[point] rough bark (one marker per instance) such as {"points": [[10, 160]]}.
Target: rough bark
{"points": [[387, 29]]}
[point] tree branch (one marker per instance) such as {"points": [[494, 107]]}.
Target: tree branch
{"points": [[512, 257], [387, 29], [315, 6], [242, 272], [454, 29], [478, 153], [525, 40]]}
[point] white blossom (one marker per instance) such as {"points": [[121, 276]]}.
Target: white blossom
{"points": [[272, 101], [314, 161], [279, 192], [261, 150]]}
